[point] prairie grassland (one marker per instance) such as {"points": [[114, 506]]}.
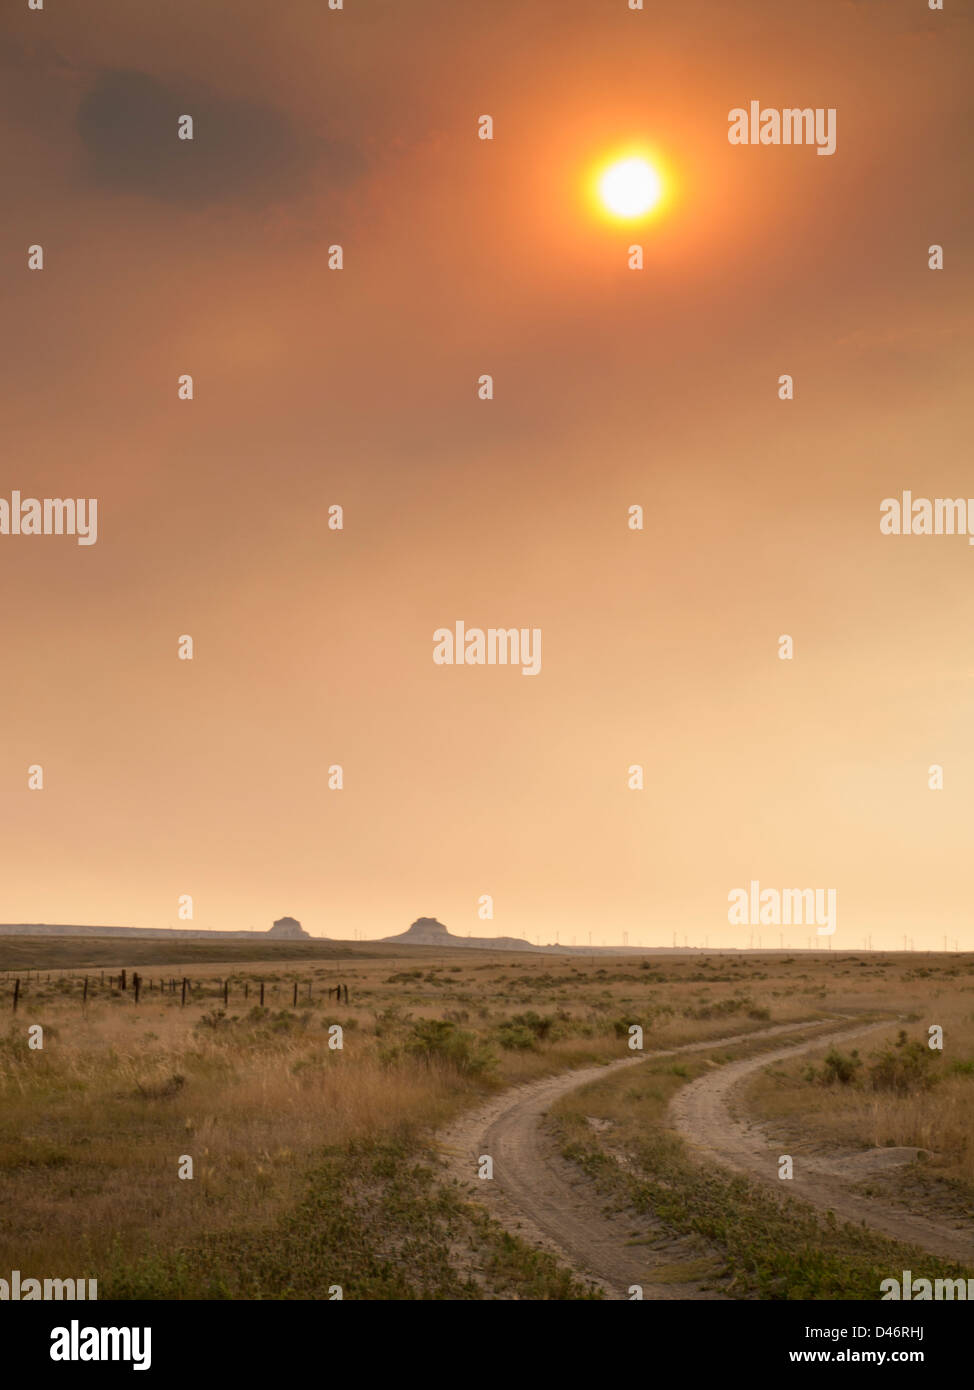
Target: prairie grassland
{"points": [[744, 1239], [312, 1165], [894, 1090]]}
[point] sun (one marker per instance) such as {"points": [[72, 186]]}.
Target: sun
{"points": [[630, 187]]}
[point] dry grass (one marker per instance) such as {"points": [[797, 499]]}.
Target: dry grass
{"points": [[93, 1127], [934, 1110]]}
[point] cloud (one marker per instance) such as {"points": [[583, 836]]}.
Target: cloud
{"points": [[241, 151]]}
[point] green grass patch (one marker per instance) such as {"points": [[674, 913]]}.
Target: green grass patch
{"points": [[376, 1223]]}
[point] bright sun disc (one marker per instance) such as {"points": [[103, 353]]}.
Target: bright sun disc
{"points": [[630, 188]]}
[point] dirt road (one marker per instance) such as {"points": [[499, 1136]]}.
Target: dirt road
{"points": [[701, 1113], [548, 1201]]}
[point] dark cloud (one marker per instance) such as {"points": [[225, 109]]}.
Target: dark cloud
{"points": [[240, 151]]}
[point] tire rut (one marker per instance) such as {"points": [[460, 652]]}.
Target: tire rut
{"points": [[701, 1115], [542, 1198]]}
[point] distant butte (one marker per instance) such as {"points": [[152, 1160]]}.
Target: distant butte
{"points": [[290, 928], [427, 931]]}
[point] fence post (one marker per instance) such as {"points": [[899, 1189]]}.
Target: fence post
{"points": [[262, 994], [136, 982], [183, 1000], [295, 992], [16, 993], [122, 984], [226, 990], [84, 997]]}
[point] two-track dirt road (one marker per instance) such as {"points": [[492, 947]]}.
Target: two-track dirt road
{"points": [[701, 1113], [541, 1197]]}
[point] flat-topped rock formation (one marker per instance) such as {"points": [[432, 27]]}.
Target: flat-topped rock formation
{"points": [[427, 931], [289, 929]]}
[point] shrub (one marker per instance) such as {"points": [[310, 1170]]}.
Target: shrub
{"points": [[437, 1039], [903, 1068], [838, 1066], [214, 1022], [390, 1019], [514, 1038], [524, 1032]]}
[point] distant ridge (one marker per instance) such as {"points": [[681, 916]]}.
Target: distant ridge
{"points": [[425, 931], [285, 928]]}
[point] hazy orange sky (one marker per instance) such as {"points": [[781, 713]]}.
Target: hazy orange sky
{"points": [[359, 387]]}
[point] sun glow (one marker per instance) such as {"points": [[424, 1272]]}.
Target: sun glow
{"points": [[630, 187]]}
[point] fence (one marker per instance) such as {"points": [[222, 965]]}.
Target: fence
{"points": [[90, 987]]}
